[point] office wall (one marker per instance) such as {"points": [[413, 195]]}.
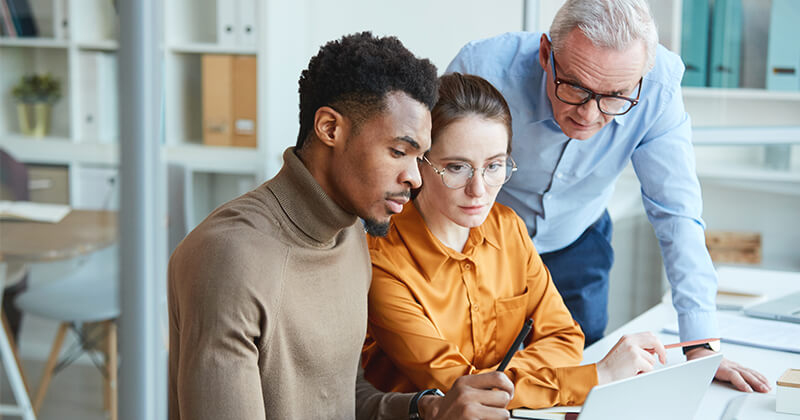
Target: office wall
{"points": [[295, 30]]}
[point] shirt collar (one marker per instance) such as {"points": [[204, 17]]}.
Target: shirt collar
{"points": [[306, 203], [423, 245]]}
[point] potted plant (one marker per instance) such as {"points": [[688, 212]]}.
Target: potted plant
{"points": [[36, 92]]}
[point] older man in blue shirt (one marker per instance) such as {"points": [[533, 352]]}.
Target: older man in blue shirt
{"points": [[596, 93]]}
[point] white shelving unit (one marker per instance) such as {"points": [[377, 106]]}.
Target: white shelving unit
{"points": [[212, 174], [285, 36], [733, 127]]}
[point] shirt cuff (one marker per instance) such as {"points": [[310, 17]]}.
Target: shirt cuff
{"points": [[394, 406], [698, 325], [575, 382]]}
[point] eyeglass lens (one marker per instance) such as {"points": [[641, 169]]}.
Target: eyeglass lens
{"points": [[576, 95], [457, 175]]}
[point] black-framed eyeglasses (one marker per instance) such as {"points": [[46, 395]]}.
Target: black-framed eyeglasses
{"points": [[457, 174], [573, 94]]}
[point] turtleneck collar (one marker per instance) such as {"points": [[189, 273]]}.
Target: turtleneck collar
{"points": [[306, 203]]}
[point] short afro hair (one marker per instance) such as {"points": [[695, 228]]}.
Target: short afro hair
{"points": [[354, 74]]}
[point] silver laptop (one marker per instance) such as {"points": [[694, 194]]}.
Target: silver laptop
{"points": [[785, 308], [672, 392]]}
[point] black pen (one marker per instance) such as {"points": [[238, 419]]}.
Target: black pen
{"points": [[526, 329]]}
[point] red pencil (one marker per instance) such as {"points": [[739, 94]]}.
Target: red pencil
{"points": [[691, 343]]}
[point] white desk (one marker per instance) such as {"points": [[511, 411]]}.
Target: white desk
{"points": [[770, 363]]}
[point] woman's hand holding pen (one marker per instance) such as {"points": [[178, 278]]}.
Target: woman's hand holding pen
{"points": [[633, 354], [483, 396]]}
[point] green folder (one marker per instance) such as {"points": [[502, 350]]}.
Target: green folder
{"points": [[783, 53], [694, 41], [726, 44]]}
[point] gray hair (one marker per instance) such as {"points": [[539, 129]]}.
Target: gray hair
{"points": [[609, 24]]}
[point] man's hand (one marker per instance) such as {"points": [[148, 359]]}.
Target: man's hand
{"points": [[483, 396], [632, 355], [744, 379]]}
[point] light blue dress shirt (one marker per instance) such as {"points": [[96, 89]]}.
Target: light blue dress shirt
{"points": [[564, 185]]}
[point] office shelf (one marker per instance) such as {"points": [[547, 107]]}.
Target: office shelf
{"points": [[86, 51], [746, 136], [210, 48], [100, 45], [58, 150], [33, 42], [231, 160], [740, 93]]}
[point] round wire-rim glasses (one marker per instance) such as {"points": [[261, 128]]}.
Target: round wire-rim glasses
{"points": [[579, 95], [461, 179]]}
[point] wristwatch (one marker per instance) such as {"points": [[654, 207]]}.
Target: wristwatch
{"points": [[413, 408], [712, 345]]}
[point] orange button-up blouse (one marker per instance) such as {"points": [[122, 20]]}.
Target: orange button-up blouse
{"points": [[436, 314]]}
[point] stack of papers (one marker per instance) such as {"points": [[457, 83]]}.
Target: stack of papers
{"points": [[732, 299], [754, 332], [37, 212]]}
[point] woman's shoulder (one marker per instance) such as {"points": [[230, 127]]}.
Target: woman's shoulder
{"points": [[503, 215]]}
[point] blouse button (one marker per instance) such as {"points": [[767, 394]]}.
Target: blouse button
{"points": [[467, 266]]}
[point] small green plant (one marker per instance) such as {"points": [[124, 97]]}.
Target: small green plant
{"points": [[37, 88]]}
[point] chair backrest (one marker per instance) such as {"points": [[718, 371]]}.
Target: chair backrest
{"points": [[13, 178]]}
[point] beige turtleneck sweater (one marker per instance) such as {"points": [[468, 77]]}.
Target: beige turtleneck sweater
{"points": [[268, 309]]}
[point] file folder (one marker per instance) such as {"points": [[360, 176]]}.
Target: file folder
{"points": [[783, 47], [246, 18], [694, 41], [226, 23], [245, 99], [230, 100], [726, 44], [217, 99]]}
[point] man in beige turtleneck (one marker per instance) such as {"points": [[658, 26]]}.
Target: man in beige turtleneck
{"points": [[268, 295]]}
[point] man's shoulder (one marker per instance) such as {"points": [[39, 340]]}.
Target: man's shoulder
{"points": [[238, 235], [507, 52], [518, 41], [668, 69]]}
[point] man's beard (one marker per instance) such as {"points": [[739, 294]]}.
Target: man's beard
{"points": [[376, 228]]}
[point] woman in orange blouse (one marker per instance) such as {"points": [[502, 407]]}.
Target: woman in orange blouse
{"points": [[457, 274]]}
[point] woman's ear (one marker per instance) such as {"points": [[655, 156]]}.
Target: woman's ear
{"points": [[328, 125]]}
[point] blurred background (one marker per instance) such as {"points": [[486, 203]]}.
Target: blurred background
{"points": [[123, 124]]}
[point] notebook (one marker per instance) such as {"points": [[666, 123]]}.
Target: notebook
{"points": [[785, 308], [37, 212], [671, 392]]}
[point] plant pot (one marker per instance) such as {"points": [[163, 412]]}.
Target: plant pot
{"points": [[34, 119]]}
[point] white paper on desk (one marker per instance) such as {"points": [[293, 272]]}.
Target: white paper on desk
{"points": [[754, 332], [545, 413], [38, 212]]}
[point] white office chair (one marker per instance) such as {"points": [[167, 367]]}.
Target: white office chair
{"points": [[89, 295]]}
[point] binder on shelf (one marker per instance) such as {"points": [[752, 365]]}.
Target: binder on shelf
{"points": [[246, 22], [694, 41], [726, 44], [22, 16], [6, 26], [245, 100], [226, 23], [98, 90], [783, 48], [217, 85], [60, 19], [229, 100]]}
